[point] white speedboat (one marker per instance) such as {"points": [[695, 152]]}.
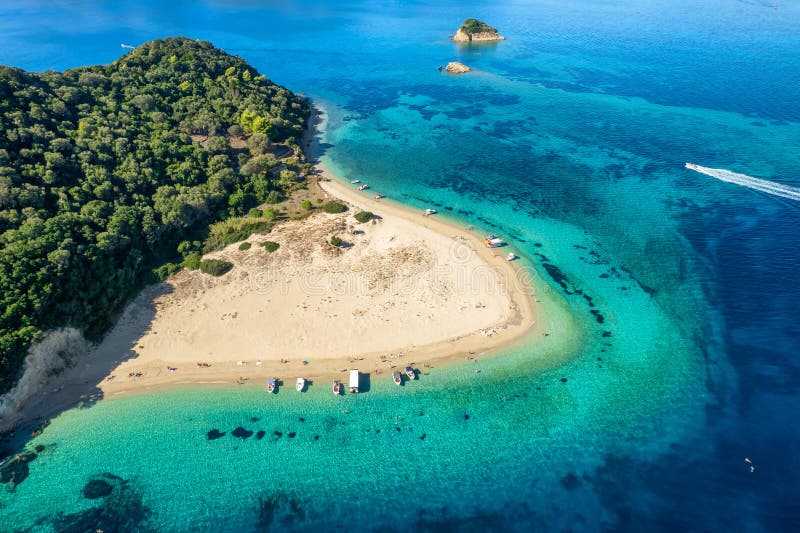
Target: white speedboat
{"points": [[300, 385], [410, 373], [363, 187], [336, 387], [495, 243], [428, 212], [378, 196], [354, 381], [511, 256], [355, 181], [272, 385], [398, 379]]}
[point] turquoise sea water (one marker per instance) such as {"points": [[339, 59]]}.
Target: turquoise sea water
{"points": [[672, 296]]}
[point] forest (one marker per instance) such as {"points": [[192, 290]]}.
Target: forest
{"points": [[107, 173]]}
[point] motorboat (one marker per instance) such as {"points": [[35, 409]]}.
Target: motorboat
{"points": [[428, 212], [300, 385], [398, 380], [336, 387], [511, 256], [272, 385], [363, 187], [354, 381], [410, 373], [355, 181], [495, 243], [378, 196]]}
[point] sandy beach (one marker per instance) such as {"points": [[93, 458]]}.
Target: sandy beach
{"points": [[405, 289]]}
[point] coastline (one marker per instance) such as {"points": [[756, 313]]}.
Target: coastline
{"points": [[91, 380]]}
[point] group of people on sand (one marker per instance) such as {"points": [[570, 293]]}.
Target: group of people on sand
{"points": [[134, 374], [203, 365]]}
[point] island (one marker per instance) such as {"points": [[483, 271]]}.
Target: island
{"points": [[165, 221], [474, 30], [454, 67]]}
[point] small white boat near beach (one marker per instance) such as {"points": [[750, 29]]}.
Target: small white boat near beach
{"points": [[410, 373], [363, 187], [495, 243], [511, 256], [355, 181], [428, 212], [336, 387], [272, 385], [300, 385], [398, 379]]}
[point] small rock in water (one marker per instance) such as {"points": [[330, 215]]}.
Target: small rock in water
{"points": [[254, 419], [242, 433], [277, 433], [292, 435], [260, 434], [316, 437], [563, 380], [397, 428], [302, 419], [466, 416], [422, 437], [215, 434]]}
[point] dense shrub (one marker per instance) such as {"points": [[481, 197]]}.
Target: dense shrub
{"points": [[215, 267], [307, 205], [192, 261], [270, 246], [364, 216], [254, 213], [334, 207], [245, 246], [336, 241], [233, 230]]}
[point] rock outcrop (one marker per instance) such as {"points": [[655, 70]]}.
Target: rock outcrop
{"points": [[474, 30], [454, 67]]}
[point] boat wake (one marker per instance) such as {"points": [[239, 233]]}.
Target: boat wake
{"points": [[129, 47], [769, 187]]}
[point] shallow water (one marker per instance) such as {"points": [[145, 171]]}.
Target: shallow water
{"points": [[671, 296]]}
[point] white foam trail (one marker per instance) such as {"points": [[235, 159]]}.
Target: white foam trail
{"points": [[769, 187], [123, 45]]}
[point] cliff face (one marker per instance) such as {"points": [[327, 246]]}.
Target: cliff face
{"points": [[463, 37]]}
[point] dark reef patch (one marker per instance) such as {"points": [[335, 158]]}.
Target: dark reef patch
{"points": [[260, 434], [598, 316], [278, 511], [242, 433], [215, 434], [277, 433], [292, 435], [97, 488]]}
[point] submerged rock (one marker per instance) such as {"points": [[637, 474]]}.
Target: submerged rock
{"points": [[216, 434], [16, 470], [260, 434], [242, 433], [97, 488]]}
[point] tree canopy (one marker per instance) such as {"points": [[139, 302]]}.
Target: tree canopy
{"points": [[105, 169], [471, 26]]}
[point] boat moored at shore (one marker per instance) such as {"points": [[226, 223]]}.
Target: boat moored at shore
{"points": [[398, 379], [300, 385], [354, 381], [336, 387], [410, 373], [272, 385]]}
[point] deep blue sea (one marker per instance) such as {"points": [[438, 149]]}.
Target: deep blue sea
{"points": [[673, 296]]}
